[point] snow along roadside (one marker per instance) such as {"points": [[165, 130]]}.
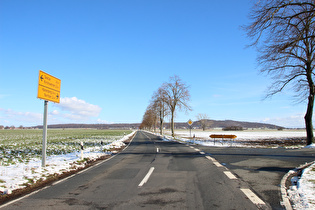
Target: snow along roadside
{"points": [[301, 192], [18, 176]]}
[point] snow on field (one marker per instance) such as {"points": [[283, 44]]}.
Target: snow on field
{"points": [[20, 174], [203, 137], [246, 134]]}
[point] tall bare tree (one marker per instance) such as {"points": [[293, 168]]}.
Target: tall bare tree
{"points": [[159, 101], [177, 97], [149, 118], [204, 121], [283, 32]]}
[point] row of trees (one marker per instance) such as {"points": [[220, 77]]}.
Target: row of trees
{"points": [[172, 96], [284, 33], [11, 127]]}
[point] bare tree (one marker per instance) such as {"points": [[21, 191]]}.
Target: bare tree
{"points": [[149, 118], [159, 101], [283, 32], [177, 97], [204, 121]]}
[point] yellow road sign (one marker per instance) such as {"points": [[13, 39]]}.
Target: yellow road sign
{"points": [[190, 122], [48, 87]]}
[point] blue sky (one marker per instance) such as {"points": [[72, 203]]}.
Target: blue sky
{"points": [[111, 55]]}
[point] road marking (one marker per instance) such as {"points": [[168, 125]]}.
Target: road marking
{"points": [[253, 197], [196, 149], [146, 178], [192, 147], [64, 179], [157, 150], [146, 135], [230, 175], [215, 162], [202, 153], [208, 157], [18, 199]]}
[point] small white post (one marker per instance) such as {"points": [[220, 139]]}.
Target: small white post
{"points": [[81, 150]]}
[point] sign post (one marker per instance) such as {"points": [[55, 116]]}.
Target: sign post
{"points": [[44, 134], [190, 122], [48, 90]]}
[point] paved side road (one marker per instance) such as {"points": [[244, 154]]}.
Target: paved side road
{"points": [[149, 174], [261, 168]]}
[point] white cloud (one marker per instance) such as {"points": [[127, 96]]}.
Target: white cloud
{"points": [[102, 121], [77, 109], [55, 112], [11, 117], [293, 121], [68, 111]]}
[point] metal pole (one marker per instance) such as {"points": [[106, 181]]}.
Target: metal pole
{"points": [[190, 131], [44, 134]]}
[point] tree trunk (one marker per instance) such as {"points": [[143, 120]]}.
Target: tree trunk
{"points": [[161, 126], [172, 124], [308, 120], [155, 126]]}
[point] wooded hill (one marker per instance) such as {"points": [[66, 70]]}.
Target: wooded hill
{"points": [[179, 125]]}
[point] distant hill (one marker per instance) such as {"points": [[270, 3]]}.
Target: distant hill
{"points": [[230, 123], [121, 126], [179, 125]]}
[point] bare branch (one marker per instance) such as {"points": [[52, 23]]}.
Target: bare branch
{"points": [[284, 33]]}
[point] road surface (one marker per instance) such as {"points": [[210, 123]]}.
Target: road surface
{"points": [[261, 168], [149, 174]]}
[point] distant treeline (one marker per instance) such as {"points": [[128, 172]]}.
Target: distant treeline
{"points": [[180, 125]]}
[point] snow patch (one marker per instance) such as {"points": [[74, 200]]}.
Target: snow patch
{"points": [[20, 174]]}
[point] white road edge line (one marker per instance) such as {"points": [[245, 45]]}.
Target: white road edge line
{"points": [[146, 178], [62, 180], [202, 153], [253, 197], [229, 175], [208, 157], [214, 161], [196, 149], [18, 199]]}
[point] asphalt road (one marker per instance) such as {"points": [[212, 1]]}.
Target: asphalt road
{"points": [[261, 168], [149, 174]]}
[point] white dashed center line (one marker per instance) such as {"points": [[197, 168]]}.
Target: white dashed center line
{"points": [[230, 175], [215, 162], [253, 197], [250, 194], [146, 178]]}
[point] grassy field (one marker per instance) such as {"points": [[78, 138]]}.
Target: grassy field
{"points": [[24, 145]]}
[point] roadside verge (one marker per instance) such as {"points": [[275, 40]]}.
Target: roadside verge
{"points": [[53, 178]]}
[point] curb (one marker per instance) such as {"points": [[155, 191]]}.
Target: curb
{"points": [[285, 198]]}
